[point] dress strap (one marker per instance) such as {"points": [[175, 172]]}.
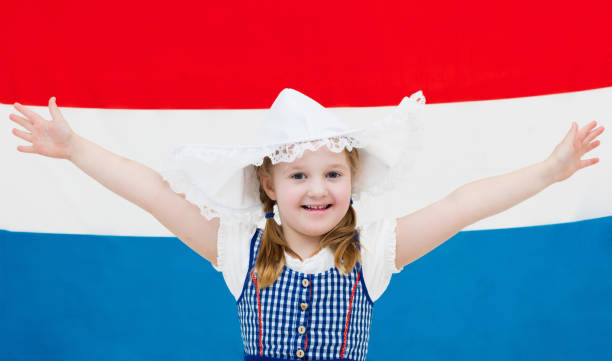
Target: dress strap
{"points": [[254, 247], [356, 237], [252, 254]]}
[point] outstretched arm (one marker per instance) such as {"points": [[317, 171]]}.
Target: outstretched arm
{"points": [[421, 231], [127, 178]]}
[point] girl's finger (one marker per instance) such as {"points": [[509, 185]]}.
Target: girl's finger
{"points": [[53, 109], [588, 162], [593, 134], [25, 149], [21, 121], [586, 129], [28, 113], [570, 133], [592, 145], [23, 135]]}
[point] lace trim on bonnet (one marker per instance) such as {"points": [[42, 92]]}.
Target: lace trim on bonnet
{"points": [[404, 120]]}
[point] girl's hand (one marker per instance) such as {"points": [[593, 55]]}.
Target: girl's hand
{"points": [[566, 156], [51, 138]]}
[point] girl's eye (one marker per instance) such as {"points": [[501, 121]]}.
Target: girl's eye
{"points": [[334, 175]]}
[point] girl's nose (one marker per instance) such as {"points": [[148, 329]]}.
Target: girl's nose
{"points": [[317, 188]]}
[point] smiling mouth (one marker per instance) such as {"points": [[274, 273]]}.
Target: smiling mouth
{"points": [[317, 208]]}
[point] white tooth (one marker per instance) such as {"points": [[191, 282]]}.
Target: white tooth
{"points": [[319, 207]]}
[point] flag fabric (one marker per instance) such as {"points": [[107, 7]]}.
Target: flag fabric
{"points": [[85, 274]]}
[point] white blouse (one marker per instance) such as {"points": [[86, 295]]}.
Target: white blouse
{"points": [[377, 255]]}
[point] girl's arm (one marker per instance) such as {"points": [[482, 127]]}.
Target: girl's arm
{"points": [[144, 187], [421, 231], [131, 180]]}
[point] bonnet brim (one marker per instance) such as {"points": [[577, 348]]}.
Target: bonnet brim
{"points": [[221, 180]]}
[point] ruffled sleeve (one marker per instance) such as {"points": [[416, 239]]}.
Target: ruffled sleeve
{"points": [[378, 241], [233, 246]]}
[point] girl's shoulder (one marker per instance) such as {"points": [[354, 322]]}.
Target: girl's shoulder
{"points": [[378, 248], [234, 241], [233, 253], [376, 226], [378, 241]]}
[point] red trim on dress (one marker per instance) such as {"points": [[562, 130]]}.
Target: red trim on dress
{"points": [[258, 313], [348, 316]]}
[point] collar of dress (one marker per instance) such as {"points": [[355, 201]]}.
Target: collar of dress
{"points": [[320, 262]]}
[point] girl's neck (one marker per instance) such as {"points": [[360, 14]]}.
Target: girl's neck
{"points": [[303, 247]]}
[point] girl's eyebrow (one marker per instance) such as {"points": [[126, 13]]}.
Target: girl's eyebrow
{"points": [[335, 165], [338, 165]]}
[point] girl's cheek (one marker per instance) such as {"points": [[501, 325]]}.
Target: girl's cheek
{"points": [[292, 194]]}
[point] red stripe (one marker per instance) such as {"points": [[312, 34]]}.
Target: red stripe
{"points": [[258, 313], [241, 54], [348, 316]]}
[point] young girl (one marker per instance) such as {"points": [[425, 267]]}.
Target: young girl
{"points": [[305, 283]]}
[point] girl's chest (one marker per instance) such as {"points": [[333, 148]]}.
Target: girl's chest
{"points": [[298, 290]]}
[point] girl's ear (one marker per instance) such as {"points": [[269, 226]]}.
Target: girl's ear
{"points": [[268, 186]]}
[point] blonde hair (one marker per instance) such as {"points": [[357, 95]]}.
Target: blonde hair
{"points": [[341, 239]]}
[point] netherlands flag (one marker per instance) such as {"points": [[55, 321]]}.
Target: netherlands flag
{"points": [[88, 275]]}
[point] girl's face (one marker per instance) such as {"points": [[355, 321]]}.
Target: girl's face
{"points": [[319, 178]]}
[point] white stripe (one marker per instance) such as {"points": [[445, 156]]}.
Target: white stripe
{"points": [[464, 141]]}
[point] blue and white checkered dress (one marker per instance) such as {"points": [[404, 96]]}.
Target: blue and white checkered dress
{"points": [[323, 316]]}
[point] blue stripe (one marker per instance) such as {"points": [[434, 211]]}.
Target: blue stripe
{"points": [[552, 281]]}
